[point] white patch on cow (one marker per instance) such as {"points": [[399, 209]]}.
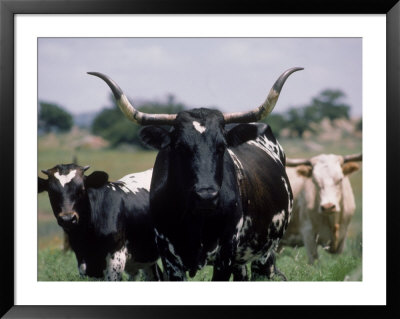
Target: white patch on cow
{"points": [[172, 251], [272, 149], [247, 253], [239, 227], [278, 219], [82, 268], [244, 271], [328, 178], [64, 179], [238, 166], [133, 182], [290, 200], [116, 264], [113, 188], [198, 127], [158, 234], [245, 227], [176, 271], [211, 254]]}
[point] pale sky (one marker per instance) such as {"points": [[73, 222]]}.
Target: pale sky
{"points": [[233, 74]]}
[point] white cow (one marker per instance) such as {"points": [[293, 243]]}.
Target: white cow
{"points": [[323, 202]]}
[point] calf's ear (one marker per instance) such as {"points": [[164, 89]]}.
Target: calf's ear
{"points": [[42, 184], [96, 179], [155, 137], [350, 167], [241, 134], [304, 170]]}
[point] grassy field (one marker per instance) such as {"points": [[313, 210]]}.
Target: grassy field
{"points": [[55, 265]]}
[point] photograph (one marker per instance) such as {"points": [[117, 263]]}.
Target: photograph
{"points": [[169, 165], [199, 159]]}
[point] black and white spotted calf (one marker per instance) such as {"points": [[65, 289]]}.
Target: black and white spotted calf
{"points": [[217, 195], [108, 223]]}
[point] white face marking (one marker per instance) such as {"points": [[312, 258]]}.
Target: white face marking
{"points": [[64, 179], [133, 182], [198, 127]]}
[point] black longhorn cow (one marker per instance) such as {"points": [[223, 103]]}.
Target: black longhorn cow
{"points": [[217, 195], [108, 223]]}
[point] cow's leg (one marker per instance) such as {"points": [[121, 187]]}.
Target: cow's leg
{"points": [[115, 265], [66, 244], [266, 267], [310, 241], [132, 270], [172, 263], [223, 265], [152, 272], [240, 273], [173, 270]]}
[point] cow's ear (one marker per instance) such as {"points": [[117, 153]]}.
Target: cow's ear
{"points": [[350, 167], [304, 170], [96, 179], [241, 134], [42, 184], [155, 137]]}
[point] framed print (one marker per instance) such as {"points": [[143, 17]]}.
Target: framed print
{"points": [[30, 32]]}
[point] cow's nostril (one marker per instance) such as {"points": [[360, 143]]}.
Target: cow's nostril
{"points": [[329, 207], [207, 194], [66, 219], [74, 219]]}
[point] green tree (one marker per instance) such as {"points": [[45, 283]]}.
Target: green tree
{"points": [[112, 125], [329, 104], [54, 117], [277, 122], [296, 121]]}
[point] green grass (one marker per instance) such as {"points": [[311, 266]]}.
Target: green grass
{"points": [[55, 265]]}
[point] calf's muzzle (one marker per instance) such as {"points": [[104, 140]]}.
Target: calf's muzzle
{"points": [[68, 219]]}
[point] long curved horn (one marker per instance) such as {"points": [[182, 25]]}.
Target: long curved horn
{"points": [[130, 112], [292, 162], [264, 109], [352, 158]]}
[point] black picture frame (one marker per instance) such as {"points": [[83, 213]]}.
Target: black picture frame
{"points": [[8, 10]]}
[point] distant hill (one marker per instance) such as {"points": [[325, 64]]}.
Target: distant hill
{"points": [[84, 120]]}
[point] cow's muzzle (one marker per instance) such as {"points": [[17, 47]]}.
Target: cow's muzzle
{"points": [[328, 208], [207, 198], [68, 220]]}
